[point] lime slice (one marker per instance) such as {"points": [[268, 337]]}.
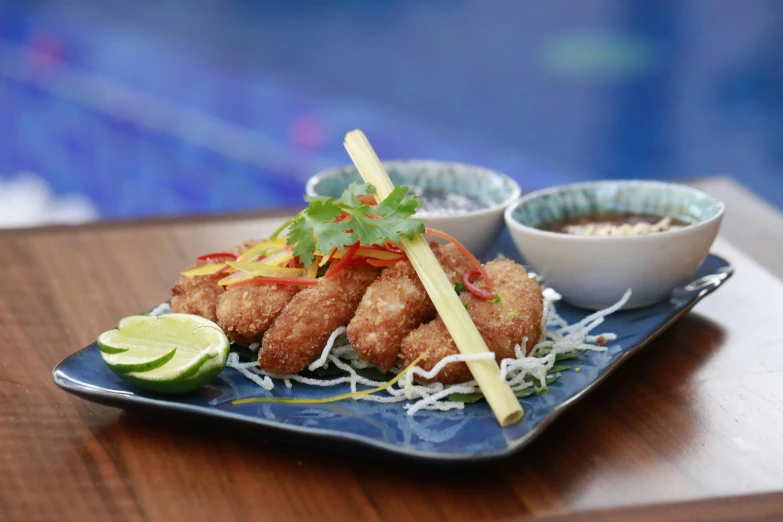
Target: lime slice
{"points": [[171, 353], [142, 359]]}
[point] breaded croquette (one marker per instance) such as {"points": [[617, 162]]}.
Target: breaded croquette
{"points": [[395, 304], [300, 332], [245, 313], [199, 294], [502, 324]]}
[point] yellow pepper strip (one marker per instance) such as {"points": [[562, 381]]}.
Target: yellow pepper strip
{"points": [[260, 269], [204, 270], [327, 257], [313, 270], [265, 270], [261, 247], [280, 258], [335, 398], [235, 278]]}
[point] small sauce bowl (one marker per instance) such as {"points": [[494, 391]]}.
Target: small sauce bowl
{"points": [[478, 196], [593, 272]]}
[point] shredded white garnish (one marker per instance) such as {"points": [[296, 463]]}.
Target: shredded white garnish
{"points": [[233, 362], [607, 228], [450, 359], [558, 338], [322, 359], [162, 308]]}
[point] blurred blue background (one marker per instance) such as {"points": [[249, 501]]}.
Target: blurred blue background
{"points": [[117, 109]]}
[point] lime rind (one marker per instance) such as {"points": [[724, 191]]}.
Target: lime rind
{"points": [[183, 370], [125, 362], [170, 353]]}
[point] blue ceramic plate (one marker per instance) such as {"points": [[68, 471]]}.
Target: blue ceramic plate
{"points": [[471, 434]]}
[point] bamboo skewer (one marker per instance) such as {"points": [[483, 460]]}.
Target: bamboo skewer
{"points": [[486, 372]]}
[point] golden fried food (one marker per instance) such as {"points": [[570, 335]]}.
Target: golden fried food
{"points": [[395, 304], [300, 332], [502, 324], [246, 312], [199, 294]]}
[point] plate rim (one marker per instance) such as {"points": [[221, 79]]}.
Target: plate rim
{"points": [[115, 399]]}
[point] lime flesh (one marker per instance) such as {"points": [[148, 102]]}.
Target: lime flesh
{"points": [[171, 353]]}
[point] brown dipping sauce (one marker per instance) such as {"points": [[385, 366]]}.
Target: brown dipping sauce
{"points": [[614, 224]]}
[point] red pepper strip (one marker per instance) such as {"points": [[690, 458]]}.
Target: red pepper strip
{"points": [[358, 261], [465, 252], [292, 262], [478, 292], [388, 245], [219, 273], [367, 200], [335, 268], [218, 255], [384, 262], [266, 280]]}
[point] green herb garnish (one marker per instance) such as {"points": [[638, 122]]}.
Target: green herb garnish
{"points": [[329, 223], [372, 373], [511, 315], [459, 287], [470, 398], [495, 299]]}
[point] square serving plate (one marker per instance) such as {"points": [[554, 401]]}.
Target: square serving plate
{"points": [[466, 435]]}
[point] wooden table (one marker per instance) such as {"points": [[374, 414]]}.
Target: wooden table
{"points": [[697, 415]]}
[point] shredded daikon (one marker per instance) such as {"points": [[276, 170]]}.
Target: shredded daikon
{"points": [[322, 359], [162, 308], [233, 362], [558, 338]]}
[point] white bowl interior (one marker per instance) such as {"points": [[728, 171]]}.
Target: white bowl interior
{"points": [[594, 271], [493, 189], [645, 197]]}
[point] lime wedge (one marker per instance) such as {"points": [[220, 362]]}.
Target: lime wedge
{"points": [[142, 359], [171, 353]]}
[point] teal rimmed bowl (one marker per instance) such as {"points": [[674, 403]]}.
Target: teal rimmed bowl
{"points": [[476, 229], [594, 271]]}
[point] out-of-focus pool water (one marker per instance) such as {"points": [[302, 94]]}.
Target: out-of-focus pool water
{"points": [[156, 108]]}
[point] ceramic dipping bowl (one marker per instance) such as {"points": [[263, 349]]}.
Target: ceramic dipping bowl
{"points": [[594, 272], [478, 195]]}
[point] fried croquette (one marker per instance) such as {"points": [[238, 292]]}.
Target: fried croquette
{"points": [[502, 324], [395, 304], [299, 333], [199, 294], [246, 312]]}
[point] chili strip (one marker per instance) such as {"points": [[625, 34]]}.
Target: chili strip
{"points": [[266, 280], [218, 255], [344, 262], [473, 289], [465, 252]]}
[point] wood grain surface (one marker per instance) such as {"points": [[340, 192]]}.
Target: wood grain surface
{"points": [[698, 414]]}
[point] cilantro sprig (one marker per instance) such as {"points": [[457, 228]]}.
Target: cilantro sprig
{"points": [[317, 228]]}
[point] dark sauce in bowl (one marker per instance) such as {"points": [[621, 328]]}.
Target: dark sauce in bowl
{"points": [[614, 224]]}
